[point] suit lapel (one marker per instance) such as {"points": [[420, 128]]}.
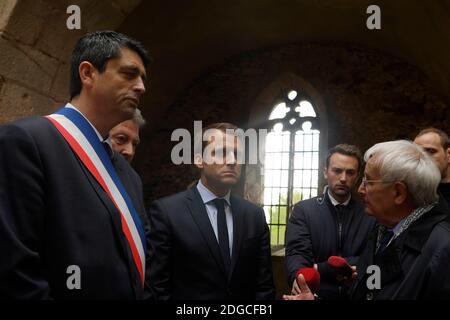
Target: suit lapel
{"points": [[389, 264], [109, 205], [112, 210], [411, 242], [198, 211], [113, 213], [237, 211], [127, 183]]}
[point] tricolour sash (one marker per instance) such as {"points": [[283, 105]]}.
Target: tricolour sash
{"points": [[83, 140]]}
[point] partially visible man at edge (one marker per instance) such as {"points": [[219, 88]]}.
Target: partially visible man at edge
{"points": [[436, 143], [72, 222]]}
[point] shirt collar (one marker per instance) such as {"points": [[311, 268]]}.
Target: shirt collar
{"points": [[208, 196], [397, 227], [334, 202], [71, 106]]}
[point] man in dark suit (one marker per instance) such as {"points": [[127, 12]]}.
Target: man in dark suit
{"points": [[333, 224], [66, 230], [205, 243]]}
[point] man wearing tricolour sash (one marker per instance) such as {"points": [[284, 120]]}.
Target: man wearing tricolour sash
{"points": [[72, 219]]}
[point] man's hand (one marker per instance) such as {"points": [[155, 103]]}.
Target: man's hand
{"points": [[300, 290], [346, 280]]}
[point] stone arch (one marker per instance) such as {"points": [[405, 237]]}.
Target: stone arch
{"points": [[36, 45]]}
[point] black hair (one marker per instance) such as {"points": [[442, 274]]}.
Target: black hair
{"points": [[445, 140], [97, 48], [222, 126], [347, 150]]}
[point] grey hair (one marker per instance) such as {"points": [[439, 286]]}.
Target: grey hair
{"points": [[138, 119], [402, 160]]}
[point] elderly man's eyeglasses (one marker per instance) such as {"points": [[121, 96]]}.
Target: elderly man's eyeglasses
{"points": [[365, 182]]}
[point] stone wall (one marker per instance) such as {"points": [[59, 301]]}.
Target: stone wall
{"points": [[368, 96], [35, 47]]}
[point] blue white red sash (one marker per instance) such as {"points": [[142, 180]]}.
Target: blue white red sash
{"points": [[83, 140]]}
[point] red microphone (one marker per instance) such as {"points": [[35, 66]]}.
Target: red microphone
{"points": [[341, 266], [312, 278]]}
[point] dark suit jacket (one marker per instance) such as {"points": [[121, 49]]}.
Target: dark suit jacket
{"points": [[312, 237], [185, 260], [414, 266], [54, 214]]}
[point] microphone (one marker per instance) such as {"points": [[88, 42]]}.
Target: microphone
{"points": [[341, 266], [312, 278]]}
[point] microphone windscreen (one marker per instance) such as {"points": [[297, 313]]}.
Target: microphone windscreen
{"points": [[312, 278], [340, 265], [337, 262]]}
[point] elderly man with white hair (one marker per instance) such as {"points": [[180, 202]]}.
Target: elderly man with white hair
{"points": [[411, 245], [407, 256]]}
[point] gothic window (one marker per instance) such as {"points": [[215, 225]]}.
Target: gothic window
{"points": [[291, 166]]}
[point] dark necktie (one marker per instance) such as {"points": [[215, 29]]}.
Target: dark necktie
{"points": [[222, 231], [340, 208], [384, 241], [339, 214]]}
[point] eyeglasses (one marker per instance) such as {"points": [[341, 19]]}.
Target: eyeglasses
{"points": [[366, 182]]}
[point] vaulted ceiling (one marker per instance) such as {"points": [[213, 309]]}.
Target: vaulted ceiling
{"points": [[188, 37]]}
